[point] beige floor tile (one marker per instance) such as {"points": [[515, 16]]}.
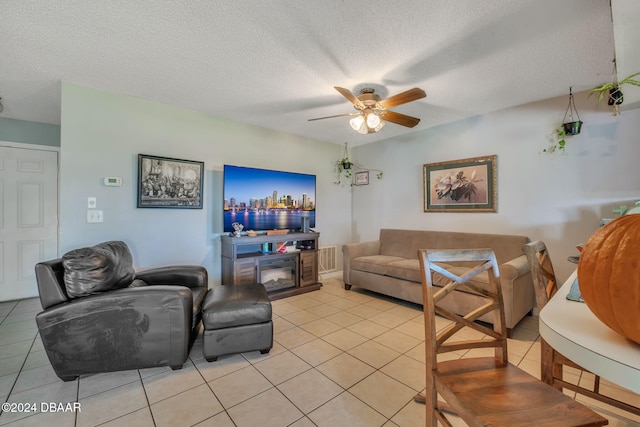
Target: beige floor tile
{"points": [[368, 329], [344, 304], [139, 418], [344, 318], [309, 390], [187, 408], [365, 311], [268, 409], [374, 354], [6, 384], [11, 365], [316, 352], [383, 393], [281, 325], [303, 422], [397, 341], [12, 349], [300, 317], [97, 383], [111, 404], [292, 338], [411, 415], [255, 356], [323, 310], [381, 304], [168, 383], [412, 329], [59, 392], [57, 419], [408, 371], [345, 370], [406, 312], [220, 420], [282, 307], [239, 386], [305, 302], [280, 368], [346, 410], [221, 367], [344, 339], [36, 359], [33, 378], [389, 320], [320, 327]]}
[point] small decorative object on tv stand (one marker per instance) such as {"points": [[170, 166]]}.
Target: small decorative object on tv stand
{"points": [[256, 259]]}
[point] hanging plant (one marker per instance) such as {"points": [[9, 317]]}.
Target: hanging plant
{"points": [[344, 167], [571, 125], [558, 142], [612, 91]]}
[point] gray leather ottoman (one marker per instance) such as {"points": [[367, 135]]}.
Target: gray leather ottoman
{"points": [[236, 318]]}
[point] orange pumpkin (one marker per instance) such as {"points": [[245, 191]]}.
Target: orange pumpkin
{"points": [[609, 275]]}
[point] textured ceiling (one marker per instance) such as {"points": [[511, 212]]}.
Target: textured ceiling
{"points": [[274, 63]]}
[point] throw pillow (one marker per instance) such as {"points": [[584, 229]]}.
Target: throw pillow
{"points": [[100, 268]]}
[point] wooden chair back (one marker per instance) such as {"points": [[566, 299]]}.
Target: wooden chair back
{"points": [[481, 389], [446, 340], [544, 278]]}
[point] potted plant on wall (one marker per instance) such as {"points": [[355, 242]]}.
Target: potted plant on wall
{"points": [[344, 166], [612, 91], [558, 142], [573, 124]]}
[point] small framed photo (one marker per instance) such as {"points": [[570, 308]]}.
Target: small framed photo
{"points": [[362, 178], [466, 185], [169, 183]]}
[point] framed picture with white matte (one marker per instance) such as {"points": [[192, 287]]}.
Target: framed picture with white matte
{"points": [[361, 178]]}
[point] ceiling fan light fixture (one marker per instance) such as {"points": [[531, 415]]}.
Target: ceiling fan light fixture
{"points": [[377, 128], [373, 120], [359, 124]]}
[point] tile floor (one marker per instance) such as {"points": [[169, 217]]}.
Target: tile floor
{"points": [[340, 358]]}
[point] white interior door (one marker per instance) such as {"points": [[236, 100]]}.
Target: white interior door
{"points": [[28, 216]]}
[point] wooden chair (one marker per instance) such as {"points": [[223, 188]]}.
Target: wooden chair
{"points": [[552, 362], [482, 390]]}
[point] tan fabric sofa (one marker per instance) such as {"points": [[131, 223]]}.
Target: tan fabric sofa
{"points": [[390, 266]]}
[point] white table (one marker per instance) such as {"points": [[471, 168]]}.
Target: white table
{"points": [[572, 329]]}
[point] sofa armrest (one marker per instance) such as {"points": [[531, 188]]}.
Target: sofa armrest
{"points": [[355, 250], [130, 328], [514, 268], [191, 276]]}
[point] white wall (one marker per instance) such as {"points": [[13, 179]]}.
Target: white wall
{"points": [[559, 199], [102, 134]]}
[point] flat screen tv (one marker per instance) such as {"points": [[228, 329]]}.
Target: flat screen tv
{"points": [[262, 199]]}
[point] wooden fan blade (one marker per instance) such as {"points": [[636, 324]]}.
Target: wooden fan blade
{"points": [[402, 98], [331, 117], [351, 97], [400, 119]]}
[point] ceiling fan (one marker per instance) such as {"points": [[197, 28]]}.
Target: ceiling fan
{"points": [[373, 111]]}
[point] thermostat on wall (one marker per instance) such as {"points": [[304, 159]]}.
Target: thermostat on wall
{"points": [[113, 181]]}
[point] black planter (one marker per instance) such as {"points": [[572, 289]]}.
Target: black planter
{"points": [[615, 96], [346, 165], [572, 128]]}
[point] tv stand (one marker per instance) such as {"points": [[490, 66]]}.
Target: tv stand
{"points": [[251, 259]]}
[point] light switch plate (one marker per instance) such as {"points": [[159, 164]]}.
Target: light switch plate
{"points": [[95, 216], [92, 202]]}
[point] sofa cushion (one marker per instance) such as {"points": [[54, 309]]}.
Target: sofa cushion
{"points": [[377, 264], [407, 269], [100, 268]]}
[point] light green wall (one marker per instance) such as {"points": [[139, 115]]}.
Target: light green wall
{"points": [[102, 134], [12, 130]]}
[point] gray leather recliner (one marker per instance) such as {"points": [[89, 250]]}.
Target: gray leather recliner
{"points": [[150, 319]]}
